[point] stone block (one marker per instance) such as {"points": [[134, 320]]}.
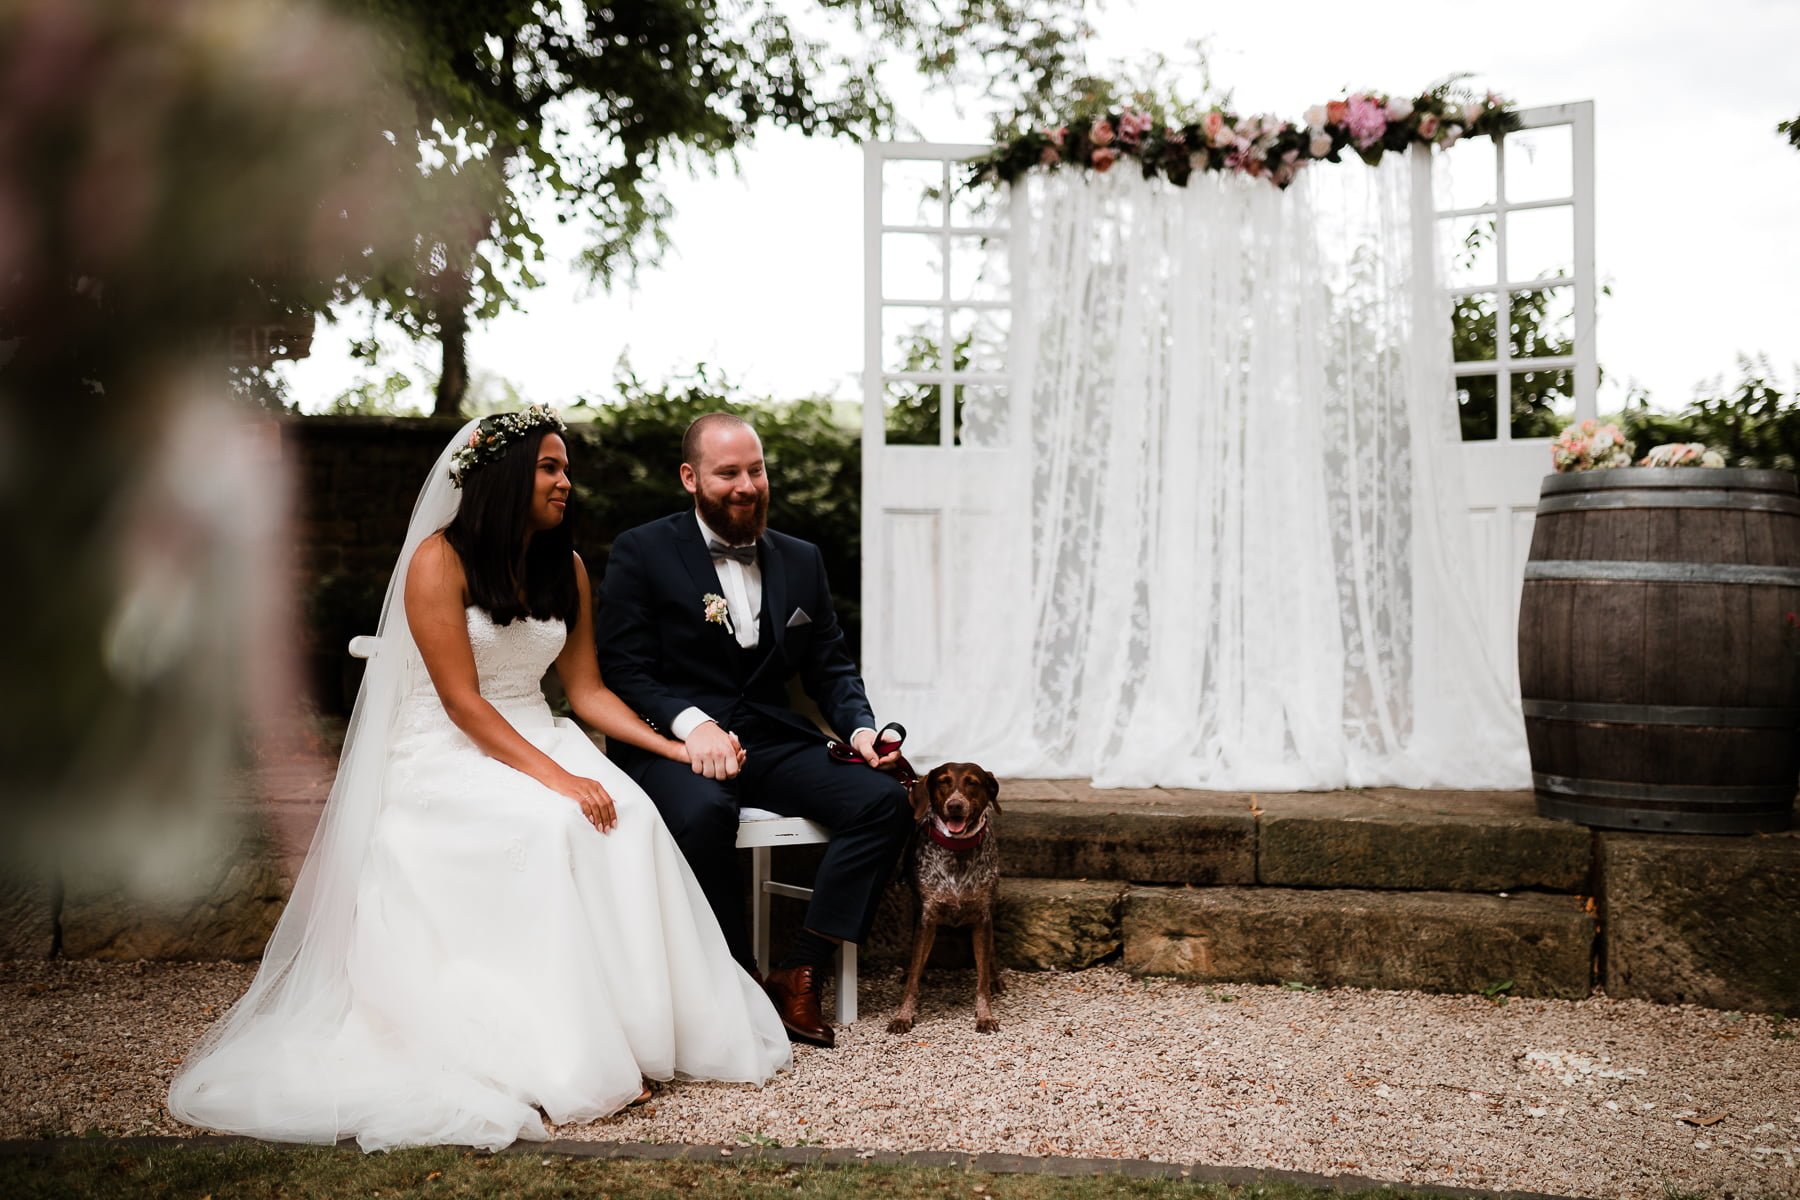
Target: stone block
{"points": [[1422, 841], [1057, 924], [1428, 941], [1702, 920], [1209, 841], [1039, 925], [225, 908]]}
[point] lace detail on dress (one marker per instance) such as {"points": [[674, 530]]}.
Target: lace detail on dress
{"points": [[510, 661]]}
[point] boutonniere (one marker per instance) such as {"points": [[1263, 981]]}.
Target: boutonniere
{"points": [[717, 611]]}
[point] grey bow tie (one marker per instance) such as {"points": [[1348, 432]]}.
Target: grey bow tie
{"points": [[744, 554]]}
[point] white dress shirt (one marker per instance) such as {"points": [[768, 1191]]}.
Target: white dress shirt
{"points": [[743, 599]]}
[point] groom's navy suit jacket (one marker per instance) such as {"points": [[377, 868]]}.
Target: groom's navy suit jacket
{"points": [[661, 655]]}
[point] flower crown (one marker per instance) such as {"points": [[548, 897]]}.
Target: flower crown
{"points": [[489, 440]]}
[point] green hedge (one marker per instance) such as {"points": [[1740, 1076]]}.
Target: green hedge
{"points": [[627, 461], [1753, 424]]}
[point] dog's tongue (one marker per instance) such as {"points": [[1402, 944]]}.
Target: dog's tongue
{"points": [[955, 828]]}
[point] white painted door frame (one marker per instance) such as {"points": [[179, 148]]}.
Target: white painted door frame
{"points": [[927, 506], [1502, 475]]}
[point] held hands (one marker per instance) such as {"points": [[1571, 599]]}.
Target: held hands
{"points": [[714, 753], [595, 803]]}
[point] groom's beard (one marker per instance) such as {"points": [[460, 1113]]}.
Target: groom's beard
{"points": [[737, 524]]}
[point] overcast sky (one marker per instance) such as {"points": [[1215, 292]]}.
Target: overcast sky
{"points": [[1698, 199]]}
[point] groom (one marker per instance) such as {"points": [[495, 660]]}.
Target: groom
{"points": [[704, 618]]}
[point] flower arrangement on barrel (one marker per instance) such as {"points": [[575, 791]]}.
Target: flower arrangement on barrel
{"points": [[1367, 124], [1590, 446]]}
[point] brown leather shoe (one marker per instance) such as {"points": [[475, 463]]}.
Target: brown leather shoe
{"points": [[795, 992]]}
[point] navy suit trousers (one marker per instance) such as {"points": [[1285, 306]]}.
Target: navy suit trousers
{"points": [[785, 772]]}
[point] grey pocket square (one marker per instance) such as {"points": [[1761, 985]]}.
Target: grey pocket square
{"points": [[799, 618]]}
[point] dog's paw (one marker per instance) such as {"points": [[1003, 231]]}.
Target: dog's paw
{"points": [[900, 1025], [987, 1025]]}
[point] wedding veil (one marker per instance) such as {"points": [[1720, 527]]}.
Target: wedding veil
{"points": [[300, 998]]}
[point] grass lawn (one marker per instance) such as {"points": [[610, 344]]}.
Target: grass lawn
{"points": [[102, 1170]]}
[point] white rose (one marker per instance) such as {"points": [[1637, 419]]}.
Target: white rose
{"points": [[1712, 458], [1315, 116], [1399, 109], [1321, 145]]}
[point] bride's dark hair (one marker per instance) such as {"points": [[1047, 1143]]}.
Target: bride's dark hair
{"points": [[488, 534]]}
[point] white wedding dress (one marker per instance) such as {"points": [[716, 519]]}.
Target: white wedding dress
{"points": [[503, 956]]}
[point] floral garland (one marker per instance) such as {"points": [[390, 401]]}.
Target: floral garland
{"points": [[1368, 124], [489, 440]]}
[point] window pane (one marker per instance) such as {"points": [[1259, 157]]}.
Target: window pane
{"points": [[912, 267], [1540, 163], [978, 268], [1472, 327], [1476, 409], [1465, 174], [912, 192], [1467, 244], [974, 205], [912, 415], [1543, 402], [1542, 323], [910, 339], [979, 335], [981, 415], [1540, 244]]}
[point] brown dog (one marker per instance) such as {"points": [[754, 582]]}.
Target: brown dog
{"points": [[955, 876]]}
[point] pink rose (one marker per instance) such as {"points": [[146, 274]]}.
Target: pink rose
{"points": [[1049, 156], [1368, 121], [1102, 132], [1321, 145], [1428, 126], [1214, 124], [1104, 158], [1246, 160], [1337, 112], [1058, 134], [1315, 116]]}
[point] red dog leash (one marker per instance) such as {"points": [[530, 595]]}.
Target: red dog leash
{"points": [[887, 740]]}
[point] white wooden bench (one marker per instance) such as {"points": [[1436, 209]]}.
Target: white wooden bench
{"points": [[759, 831]]}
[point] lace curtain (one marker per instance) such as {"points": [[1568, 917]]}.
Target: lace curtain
{"points": [[1246, 551]]}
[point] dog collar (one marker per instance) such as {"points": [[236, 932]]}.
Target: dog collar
{"points": [[956, 845]]}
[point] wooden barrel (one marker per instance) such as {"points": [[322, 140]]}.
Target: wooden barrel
{"points": [[1657, 659]]}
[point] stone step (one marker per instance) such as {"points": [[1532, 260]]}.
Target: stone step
{"points": [[1425, 941], [1378, 838]]}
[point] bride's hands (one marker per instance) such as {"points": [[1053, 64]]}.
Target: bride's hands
{"points": [[596, 803]]}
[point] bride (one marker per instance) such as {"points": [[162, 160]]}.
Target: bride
{"points": [[493, 925]]}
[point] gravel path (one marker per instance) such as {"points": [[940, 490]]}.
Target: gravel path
{"points": [[1582, 1098]]}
